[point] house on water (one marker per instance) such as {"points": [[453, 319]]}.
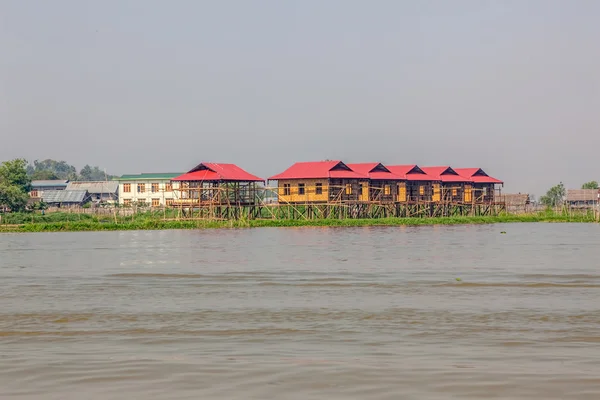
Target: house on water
{"points": [[217, 184], [320, 182], [382, 186]]}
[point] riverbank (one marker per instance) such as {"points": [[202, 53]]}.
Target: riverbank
{"points": [[59, 222]]}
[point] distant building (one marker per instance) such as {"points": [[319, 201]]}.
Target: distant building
{"points": [[98, 191], [147, 190], [583, 197], [65, 198], [39, 187]]}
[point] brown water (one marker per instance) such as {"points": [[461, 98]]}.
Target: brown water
{"points": [[338, 313]]}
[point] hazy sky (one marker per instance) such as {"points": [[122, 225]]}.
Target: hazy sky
{"points": [[152, 86]]}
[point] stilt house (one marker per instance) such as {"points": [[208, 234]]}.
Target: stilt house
{"points": [[218, 184], [319, 182]]}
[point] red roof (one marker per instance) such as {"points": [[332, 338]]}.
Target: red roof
{"points": [[476, 175], [218, 172], [318, 170], [444, 174], [375, 171], [410, 172]]}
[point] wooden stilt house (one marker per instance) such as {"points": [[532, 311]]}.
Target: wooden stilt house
{"points": [[319, 182], [417, 186], [484, 186], [449, 186], [217, 184], [382, 185]]}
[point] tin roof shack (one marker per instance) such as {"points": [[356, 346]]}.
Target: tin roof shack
{"points": [[38, 187], [100, 192], [449, 187], [65, 198], [217, 184], [583, 198], [382, 185], [486, 189], [417, 187], [319, 182]]}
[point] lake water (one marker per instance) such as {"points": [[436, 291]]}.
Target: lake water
{"points": [[303, 313]]}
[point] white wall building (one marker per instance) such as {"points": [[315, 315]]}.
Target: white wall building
{"points": [[150, 190]]}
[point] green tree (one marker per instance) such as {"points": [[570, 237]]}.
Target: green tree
{"points": [[14, 184], [554, 196], [15, 173], [590, 185]]}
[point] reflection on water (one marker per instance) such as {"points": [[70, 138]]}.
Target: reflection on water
{"points": [[349, 313]]}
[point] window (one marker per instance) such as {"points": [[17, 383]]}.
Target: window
{"points": [[286, 189], [155, 202], [348, 188], [168, 187], [127, 188], [155, 188], [142, 203], [301, 188], [34, 193], [127, 202], [387, 190], [454, 192], [169, 202], [422, 190], [319, 188], [141, 187]]}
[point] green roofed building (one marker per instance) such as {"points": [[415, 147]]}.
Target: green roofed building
{"points": [[148, 189]]}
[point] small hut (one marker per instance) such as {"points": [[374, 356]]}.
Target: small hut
{"points": [[217, 184], [417, 187], [583, 198], [449, 186], [382, 185], [319, 182], [484, 186]]}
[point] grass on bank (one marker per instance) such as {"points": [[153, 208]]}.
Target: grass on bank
{"points": [[56, 222]]}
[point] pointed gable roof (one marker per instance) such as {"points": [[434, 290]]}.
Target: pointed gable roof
{"points": [[410, 172], [375, 171], [476, 175], [213, 172], [444, 174], [318, 170]]}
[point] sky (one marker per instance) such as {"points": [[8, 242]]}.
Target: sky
{"points": [[512, 86]]}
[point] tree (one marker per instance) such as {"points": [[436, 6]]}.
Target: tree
{"points": [[14, 184], [60, 169], [88, 173], [590, 185], [15, 173], [43, 175], [554, 196]]}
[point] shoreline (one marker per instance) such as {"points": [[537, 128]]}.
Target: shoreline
{"points": [[154, 223]]}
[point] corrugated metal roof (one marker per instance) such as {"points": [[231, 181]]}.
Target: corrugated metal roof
{"points": [[49, 183], [574, 195], [64, 196], [476, 175], [145, 176], [218, 172], [319, 170], [97, 187], [375, 171], [444, 174], [410, 172]]}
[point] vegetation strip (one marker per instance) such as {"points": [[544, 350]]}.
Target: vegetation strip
{"points": [[62, 222]]}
